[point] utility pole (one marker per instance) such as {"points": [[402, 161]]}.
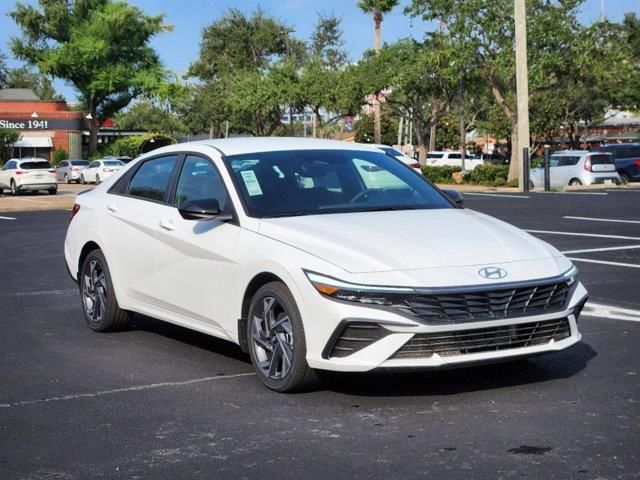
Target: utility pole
{"points": [[522, 89]]}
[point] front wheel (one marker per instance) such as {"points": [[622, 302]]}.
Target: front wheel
{"points": [[99, 303], [14, 188], [624, 179], [97, 179], [82, 180], [277, 344], [53, 191], [66, 179]]}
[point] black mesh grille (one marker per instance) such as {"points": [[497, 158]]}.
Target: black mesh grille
{"points": [[445, 308], [489, 339], [356, 336]]}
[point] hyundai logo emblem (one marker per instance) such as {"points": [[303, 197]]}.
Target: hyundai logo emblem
{"points": [[492, 273]]}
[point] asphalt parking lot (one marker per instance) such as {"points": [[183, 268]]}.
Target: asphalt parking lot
{"points": [[159, 401]]}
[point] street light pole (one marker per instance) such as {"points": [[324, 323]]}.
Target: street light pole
{"points": [[522, 88]]}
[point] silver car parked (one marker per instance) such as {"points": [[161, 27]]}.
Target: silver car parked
{"points": [[68, 171], [577, 167]]}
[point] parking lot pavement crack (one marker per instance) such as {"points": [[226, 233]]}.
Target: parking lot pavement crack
{"points": [[135, 388]]}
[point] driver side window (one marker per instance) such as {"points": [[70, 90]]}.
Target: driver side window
{"points": [[199, 180]]}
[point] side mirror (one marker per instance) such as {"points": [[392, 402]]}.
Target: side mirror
{"points": [[456, 196], [204, 209]]}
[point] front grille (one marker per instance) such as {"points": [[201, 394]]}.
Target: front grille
{"points": [[503, 337], [462, 307]]}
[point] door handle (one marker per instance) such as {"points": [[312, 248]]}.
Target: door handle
{"points": [[167, 225], [113, 208]]}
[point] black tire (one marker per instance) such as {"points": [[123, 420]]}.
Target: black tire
{"points": [[111, 317], [575, 181], [14, 189], [97, 179], [82, 180], [66, 179], [53, 191], [624, 179], [299, 376]]}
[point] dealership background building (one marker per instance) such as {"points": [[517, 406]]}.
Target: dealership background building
{"points": [[44, 125]]}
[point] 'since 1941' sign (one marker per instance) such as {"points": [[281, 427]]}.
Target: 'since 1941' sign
{"points": [[37, 124]]}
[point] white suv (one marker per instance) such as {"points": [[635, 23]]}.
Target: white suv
{"points": [[28, 174], [454, 159], [577, 167]]}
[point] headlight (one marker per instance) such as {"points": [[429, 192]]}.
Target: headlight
{"points": [[351, 292], [571, 274]]}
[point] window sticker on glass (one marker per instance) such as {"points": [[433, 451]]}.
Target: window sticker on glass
{"points": [[251, 182]]}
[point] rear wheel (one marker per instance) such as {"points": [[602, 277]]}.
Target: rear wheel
{"points": [[277, 344], [82, 179], [14, 188], [99, 304], [66, 179], [575, 181], [53, 191], [624, 179], [97, 179]]}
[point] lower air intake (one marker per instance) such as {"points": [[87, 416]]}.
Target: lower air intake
{"points": [[504, 337]]}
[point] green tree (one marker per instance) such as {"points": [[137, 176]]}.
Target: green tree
{"points": [[364, 129], [422, 78], [482, 31], [378, 8], [327, 44], [8, 137], [148, 115], [631, 38], [3, 70], [101, 47], [41, 85]]}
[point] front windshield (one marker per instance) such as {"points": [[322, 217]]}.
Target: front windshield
{"points": [[308, 182]]}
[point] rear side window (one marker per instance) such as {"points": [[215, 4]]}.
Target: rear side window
{"points": [[455, 156], [79, 163], [435, 155], [554, 161], [151, 181], [35, 165]]}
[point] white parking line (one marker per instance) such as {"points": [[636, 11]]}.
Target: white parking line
{"points": [[574, 234], [135, 388], [601, 219], [7, 218], [603, 262], [579, 193], [494, 195], [604, 249], [607, 311]]}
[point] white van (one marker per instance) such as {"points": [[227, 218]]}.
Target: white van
{"points": [[453, 159]]}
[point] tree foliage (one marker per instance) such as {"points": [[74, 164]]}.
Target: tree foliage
{"points": [[8, 137], [101, 47], [148, 115], [41, 85]]}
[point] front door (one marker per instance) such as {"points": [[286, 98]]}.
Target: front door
{"points": [[196, 258]]}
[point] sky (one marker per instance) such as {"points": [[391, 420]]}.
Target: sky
{"points": [[179, 48]]}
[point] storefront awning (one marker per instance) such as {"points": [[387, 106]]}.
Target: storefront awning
{"points": [[33, 142]]}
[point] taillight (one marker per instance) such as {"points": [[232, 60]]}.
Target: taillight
{"points": [[20, 172], [52, 171], [74, 210], [414, 165], [637, 163], [587, 163]]}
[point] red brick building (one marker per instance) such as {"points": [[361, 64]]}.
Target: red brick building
{"points": [[44, 126]]}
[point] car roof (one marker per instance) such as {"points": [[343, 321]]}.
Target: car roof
{"points": [[30, 159], [242, 145]]}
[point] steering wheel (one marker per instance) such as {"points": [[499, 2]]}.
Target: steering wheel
{"points": [[361, 194]]}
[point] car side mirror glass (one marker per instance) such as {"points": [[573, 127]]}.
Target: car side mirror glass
{"points": [[204, 209], [455, 196]]}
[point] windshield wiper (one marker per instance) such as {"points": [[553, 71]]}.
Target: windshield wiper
{"points": [[282, 215], [392, 209]]}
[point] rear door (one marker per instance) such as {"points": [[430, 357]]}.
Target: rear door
{"points": [[602, 163], [128, 227], [36, 171]]}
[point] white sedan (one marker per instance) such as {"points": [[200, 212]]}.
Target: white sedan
{"points": [[99, 170], [403, 157], [315, 255]]}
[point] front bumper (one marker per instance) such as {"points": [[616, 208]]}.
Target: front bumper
{"points": [[385, 351]]}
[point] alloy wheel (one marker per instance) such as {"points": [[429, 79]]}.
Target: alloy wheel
{"points": [[66, 178], [94, 291], [272, 337]]}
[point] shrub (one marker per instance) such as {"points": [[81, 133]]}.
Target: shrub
{"points": [[499, 181], [440, 174], [487, 174], [59, 154], [514, 183]]}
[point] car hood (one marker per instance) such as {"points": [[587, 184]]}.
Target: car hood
{"points": [[407, 239]]}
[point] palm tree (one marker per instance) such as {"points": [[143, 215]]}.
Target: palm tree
{"points": [[377, 7]]}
